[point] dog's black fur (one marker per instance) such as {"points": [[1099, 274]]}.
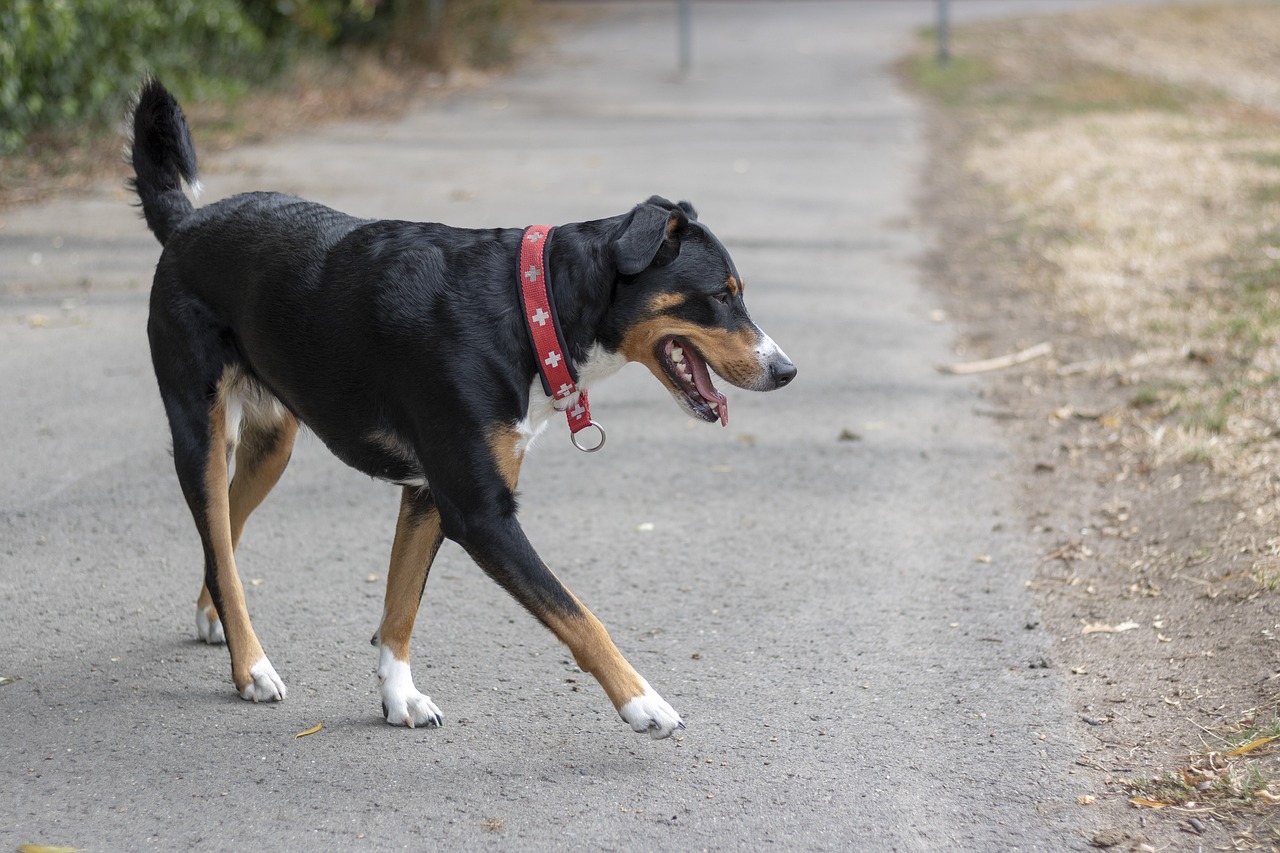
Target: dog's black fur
{"points": [[402, 345]]}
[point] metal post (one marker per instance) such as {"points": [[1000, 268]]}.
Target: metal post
{"points": [[944, 32], [685, 15]]}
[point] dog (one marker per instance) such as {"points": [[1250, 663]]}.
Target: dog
{"points": [[408, 350]]}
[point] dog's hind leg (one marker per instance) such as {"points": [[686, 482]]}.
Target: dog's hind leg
{"points": [[262, 452], [199, 426], [418, 537]]}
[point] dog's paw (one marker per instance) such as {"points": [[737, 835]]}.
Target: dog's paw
{"points": [[264, 685], [650, 713], [209, 626], [411, 709], [402, 703]]}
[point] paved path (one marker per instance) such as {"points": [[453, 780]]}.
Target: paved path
{"points": [[853, 676]]}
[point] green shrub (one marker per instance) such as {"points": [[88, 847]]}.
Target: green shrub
{"points": [[74, 60], [67, 62]]}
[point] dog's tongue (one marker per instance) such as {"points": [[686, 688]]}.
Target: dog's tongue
{"points": [[702, 379]]}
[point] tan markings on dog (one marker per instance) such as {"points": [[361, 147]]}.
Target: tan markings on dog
{"points": [[666, 302], [391, 441], [594, 651], [505, 443], [204, 604], [731, 354], [242, 641], [261, 457], [262, 433], [732, 284], [418, 537]]}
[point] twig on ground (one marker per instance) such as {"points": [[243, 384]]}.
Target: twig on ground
{"points": [[999, 362]]}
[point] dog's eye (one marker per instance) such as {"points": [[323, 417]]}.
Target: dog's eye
{"points": [[724, 297]]}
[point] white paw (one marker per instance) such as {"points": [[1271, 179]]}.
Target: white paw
{"points": [[209, 626], [266, 686], [402, 704], [650, 713]]}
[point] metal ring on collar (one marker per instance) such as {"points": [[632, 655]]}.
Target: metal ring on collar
{"points": [[573, 436]]}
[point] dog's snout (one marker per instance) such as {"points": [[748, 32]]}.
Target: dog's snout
{"points": [[774, 364], [781, 371]]}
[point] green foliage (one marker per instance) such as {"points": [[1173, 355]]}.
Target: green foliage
{"points": [[72, 60], [319, 22], [67, 62]]}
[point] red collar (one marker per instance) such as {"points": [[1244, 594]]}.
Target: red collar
{"points": [[559, 378]]}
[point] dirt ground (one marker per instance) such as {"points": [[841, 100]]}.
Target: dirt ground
{"points": [[1104, 183]]}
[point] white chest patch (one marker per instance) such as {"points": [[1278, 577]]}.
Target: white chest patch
{"points": [[600, 364]]}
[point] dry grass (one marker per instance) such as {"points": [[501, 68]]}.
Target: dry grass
{"points": [[1112, 185], [1136, 153]]}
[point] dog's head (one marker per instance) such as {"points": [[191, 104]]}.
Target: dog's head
{"points": [[679, 310]]}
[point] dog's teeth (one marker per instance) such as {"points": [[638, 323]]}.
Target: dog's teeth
{"points": [[677, 355], [713, 404]]}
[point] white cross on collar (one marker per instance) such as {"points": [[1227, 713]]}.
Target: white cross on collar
{"points": [[540, 317]]}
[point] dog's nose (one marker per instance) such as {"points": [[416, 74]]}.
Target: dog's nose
{"points": [[782, 371]]}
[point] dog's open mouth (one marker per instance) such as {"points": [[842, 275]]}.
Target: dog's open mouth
{"points": [[689, 373]]}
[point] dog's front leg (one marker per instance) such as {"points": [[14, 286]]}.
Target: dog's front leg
{"points": [[418, 537], [502, 550], [490, 533]]}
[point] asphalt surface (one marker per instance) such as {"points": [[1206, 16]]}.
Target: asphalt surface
{"points": [[831, 590]]}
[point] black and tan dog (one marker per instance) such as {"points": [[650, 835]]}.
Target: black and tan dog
{"points": [[403, 347]]}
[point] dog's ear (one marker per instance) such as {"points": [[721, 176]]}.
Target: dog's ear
{"points": [[651, 237]]}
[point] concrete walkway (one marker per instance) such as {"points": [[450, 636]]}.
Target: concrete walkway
{"points": [[805, 587]]}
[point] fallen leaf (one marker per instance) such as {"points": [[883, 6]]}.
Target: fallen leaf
{"points": [[317, 727], [1085, 799], [982, 558], [1266, 796], [40, 848], [1100, 628], [1251, 746], [1149, 804]]}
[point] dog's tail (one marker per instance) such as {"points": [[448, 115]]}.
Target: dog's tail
{"points": [[163, 157]]}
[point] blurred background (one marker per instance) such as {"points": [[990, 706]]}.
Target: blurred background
{"points": [[65, 65]]}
